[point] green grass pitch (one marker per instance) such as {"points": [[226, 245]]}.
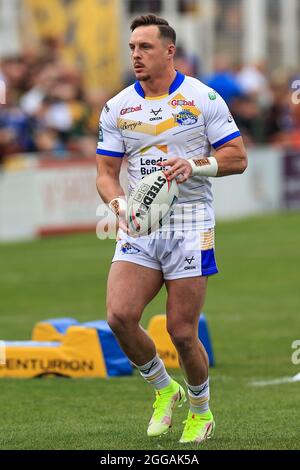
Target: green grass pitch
{"points": [[252, 308]]}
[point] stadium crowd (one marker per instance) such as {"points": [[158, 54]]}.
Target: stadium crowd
{"points": [[49, 111]]}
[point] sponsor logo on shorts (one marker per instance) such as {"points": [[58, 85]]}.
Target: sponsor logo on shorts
{"points": [[185, 118], [230, 118], [106, 108], [128, 249], [189, 261], [131, 109]]}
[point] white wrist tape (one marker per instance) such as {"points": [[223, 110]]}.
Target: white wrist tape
{"points": [[204, 166], [118, 205]]}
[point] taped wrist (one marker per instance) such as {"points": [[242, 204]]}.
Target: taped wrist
{"points": [[204, 166], [118, 205]]}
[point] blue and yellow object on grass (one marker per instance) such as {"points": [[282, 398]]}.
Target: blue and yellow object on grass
{"points": [[64, 347], [157, 329], [67, 348]]}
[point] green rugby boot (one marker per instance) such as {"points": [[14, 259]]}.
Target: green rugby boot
{"points": [[198, 427], [167, 399]]}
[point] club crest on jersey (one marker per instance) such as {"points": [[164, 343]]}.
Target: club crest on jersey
{"points": [[185, 118], [128, 249]]}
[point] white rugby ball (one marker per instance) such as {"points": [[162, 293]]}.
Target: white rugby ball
{"points": [[150, 203]]}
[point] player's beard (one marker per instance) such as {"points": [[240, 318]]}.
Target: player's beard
{"points": [[144, 78]]}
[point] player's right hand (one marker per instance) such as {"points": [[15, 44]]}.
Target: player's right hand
{"points": [[119, 208], [122, 224]]}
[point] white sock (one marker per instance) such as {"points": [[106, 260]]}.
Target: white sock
{"points": [[199, 397], [154, 372]]}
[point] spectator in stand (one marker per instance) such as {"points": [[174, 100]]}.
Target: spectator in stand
{"points": [[249, 118], [42, 84], [15, 127], [279, 119], [14, 72], [251, 108], [223, 80], [284, 117], [49, 111], [48, 143], [243, 102], [253, 81], [293, 139], [95, 100], [184, 63]]}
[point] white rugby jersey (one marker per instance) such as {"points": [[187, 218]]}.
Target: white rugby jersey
{"points": [[185, 123]]}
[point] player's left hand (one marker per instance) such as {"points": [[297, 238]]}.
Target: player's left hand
{"points": [[180, 169]]}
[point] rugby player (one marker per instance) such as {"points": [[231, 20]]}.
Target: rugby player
{"points": [[172, 122]]}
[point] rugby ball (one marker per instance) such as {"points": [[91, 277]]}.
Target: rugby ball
{"points": [[150, 203]]}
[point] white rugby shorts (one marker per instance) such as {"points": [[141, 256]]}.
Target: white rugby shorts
{"points": [[176, 254]]}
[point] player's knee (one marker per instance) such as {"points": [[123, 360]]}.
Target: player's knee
{"points": [[181, 336], [119, 320], [116, 321], [182, 342]]}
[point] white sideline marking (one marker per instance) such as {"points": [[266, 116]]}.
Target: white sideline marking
{"points": [[283, 380]]}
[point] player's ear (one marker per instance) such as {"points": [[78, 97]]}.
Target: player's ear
{"points": [[171, 50]]}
